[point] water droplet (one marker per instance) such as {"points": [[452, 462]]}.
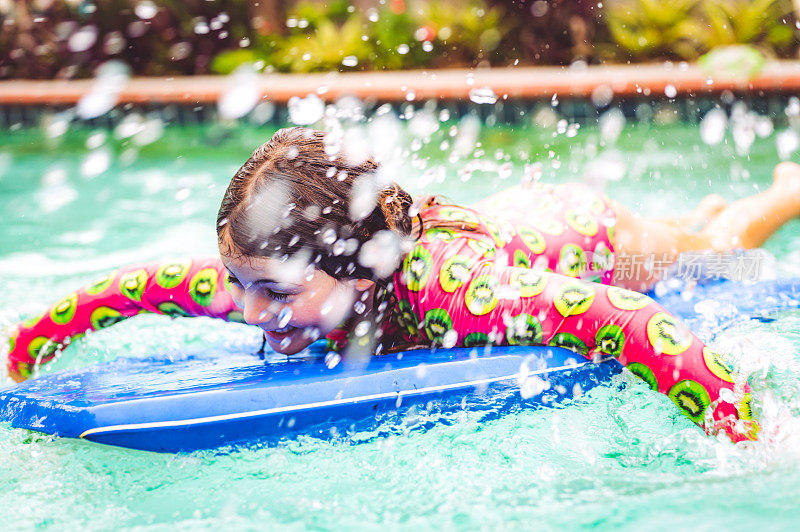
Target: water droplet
{"points": [[602, 95], [56, 125], [95, 140], [670, 91], [381, 253], [145, 10], [338, 247], [483, 95], [111, 78], [114, 43], [362, 328], [332, 359], [311, 332], [183, 194], [285, 342], [572, 130], [329, 236], [611, 124], [539, 8], [532, 386], [449, 339], [423, 124], [284, 316], [359, 307], [350, 61], [787, 142], [466, 135], [712, 126], [137, 28], [427, 46], [402, 49], [83, 39], [151, 130], [504, 172], [241, 94], [129, 126], [201, 26], [793, 109], [306, 111], [96, 163], [52, 198], [54, 176]]}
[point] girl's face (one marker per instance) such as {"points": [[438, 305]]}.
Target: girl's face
{"points": [[293, 305]]}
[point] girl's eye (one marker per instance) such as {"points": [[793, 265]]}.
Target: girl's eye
{"points": [[234, 280], [278, 296]]}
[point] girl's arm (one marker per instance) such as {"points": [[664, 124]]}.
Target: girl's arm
{"points": [[186, 287], [451, 288]]}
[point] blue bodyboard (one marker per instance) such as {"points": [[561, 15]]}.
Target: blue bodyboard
{"points": [[198, 403]]}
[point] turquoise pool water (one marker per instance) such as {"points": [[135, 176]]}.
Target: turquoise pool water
{"points": [[620, 456]]}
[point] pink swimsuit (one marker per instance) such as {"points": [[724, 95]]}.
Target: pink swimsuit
{"points": [[460, 288]]}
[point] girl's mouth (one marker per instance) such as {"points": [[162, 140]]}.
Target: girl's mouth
{"points": [[279, 334]]}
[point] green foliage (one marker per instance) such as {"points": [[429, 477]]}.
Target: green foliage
{"points": [[387, 37], [227, 61], [324, 49], [470, 25], [747, 21], [187, 37], [387, 34], [686, 29]]}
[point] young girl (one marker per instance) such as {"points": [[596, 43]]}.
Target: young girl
{"points": [[314, 245]]}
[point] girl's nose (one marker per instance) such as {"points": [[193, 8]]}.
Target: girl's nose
{"points": [[256, 311]]}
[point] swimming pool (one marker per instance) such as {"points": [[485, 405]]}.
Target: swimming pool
{"points": [[620, 455]]}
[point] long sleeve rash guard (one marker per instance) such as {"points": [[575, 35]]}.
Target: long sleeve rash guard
{"points": [[471, 287]]}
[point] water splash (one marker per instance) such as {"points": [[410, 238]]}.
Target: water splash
{"points": [[111, 78], [712, 126], [241, 94], [484, 95], [306, 111]]}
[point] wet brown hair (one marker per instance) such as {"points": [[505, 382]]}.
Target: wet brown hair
{"points": [[292, 195]]}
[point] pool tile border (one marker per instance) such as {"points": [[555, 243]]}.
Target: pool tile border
{"points": [[414, 85]]}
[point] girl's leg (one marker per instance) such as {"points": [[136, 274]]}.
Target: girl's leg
{"points": [[644, 247], [746, 223], [749, 222], [708, 208]]}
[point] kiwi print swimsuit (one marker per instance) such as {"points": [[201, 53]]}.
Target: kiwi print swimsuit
{"points": [[515, 279]]}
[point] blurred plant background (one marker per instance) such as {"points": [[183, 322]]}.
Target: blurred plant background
{"points": [[70, 38]]}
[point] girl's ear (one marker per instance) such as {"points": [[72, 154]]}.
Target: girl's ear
{"points": [[364, 284]]}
